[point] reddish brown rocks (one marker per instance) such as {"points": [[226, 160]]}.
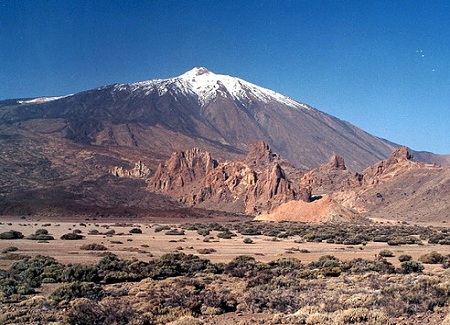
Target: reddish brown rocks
{"points": [[259, 154], [256, 185], [328, 177], [337, 162]]}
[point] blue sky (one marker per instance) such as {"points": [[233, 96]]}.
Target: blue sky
{"points": [[381, 65]]}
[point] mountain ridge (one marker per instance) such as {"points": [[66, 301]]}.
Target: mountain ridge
{"points": [[199, 118]]}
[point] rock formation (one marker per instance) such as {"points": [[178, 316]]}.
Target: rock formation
{"points": [[138, 171], [183, 170], [255, 185], [264, 185], [330, 177], [400, 160]]}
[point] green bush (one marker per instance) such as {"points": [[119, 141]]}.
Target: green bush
{"points": [[203, 232], [40, 234], [325, 261], [9, 249], [226, 235], [12, 257], [244, 266], [93, 247], [31, 271], [405, 258], [409, 266], [386, 253], [72, 236], [11, 234], [68, 292], [176, 264], [175, 232], [361, 266], [206, 250], [250, 232], [80, 273], [352, 241]]}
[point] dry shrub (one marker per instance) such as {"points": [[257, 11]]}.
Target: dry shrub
{"points": [[318, 319], [161, 228], [306, 315], [207, 310], [206, 250], [413, 295], [93, 247], [360, 300], [446, 320], [186, 320], [432, 258], [107, 311], [359, 316]]}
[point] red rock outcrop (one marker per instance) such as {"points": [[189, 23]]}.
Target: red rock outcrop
{"points": [[182, 170], [256, 185], [398, 161], [330, 177], [259, 154]]}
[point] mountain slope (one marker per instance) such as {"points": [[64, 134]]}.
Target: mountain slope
{"points": [[217, 113]]}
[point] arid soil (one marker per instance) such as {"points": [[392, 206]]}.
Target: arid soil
{"points": [[270, 286], [150, 243]]}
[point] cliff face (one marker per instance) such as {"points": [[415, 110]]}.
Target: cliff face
{"points": [[182, 171], [255, 185]]}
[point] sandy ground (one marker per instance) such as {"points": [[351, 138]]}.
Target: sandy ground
{"points": [[151, 244]]}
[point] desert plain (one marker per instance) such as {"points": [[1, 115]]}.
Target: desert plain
{"points": [[252, 272]]}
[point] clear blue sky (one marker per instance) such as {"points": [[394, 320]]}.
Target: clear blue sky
{"points": [[381, 65]]}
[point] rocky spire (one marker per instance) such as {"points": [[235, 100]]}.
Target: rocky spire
{"points": [[337, 162], [259, 153]]}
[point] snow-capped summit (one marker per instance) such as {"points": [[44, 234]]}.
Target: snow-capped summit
{"points": [[206, 86], [197, 71]]}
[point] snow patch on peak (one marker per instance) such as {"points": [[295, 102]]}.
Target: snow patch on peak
{"points": [[197, 71], [41, 100], [206, 86]]}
